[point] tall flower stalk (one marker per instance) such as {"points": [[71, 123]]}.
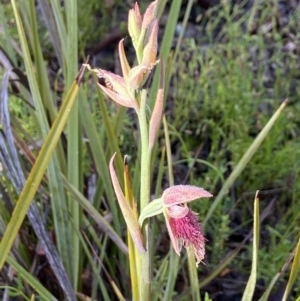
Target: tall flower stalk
{"points": [[131, 91], [145, 264]]}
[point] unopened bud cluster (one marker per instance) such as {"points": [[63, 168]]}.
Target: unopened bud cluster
{"points": [[143, 31]]}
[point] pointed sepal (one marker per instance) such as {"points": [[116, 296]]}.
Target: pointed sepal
{"points": [[138, 76], [118, 98], [131, 222], [124, 63], [150, 48], [158, 108]]}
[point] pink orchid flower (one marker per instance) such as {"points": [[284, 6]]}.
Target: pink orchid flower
{"points": [[182, 223]]}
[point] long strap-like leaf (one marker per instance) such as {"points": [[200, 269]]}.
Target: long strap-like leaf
{"points": [[34, 180]]}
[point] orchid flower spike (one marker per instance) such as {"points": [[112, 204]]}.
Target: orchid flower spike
{"points": [[182, 223]]}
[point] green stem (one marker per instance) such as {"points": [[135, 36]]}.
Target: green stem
{"points": [[193, 274], [144, 259]]}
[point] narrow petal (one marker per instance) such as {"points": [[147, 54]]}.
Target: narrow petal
{"points": [[177, 211], [183, 194], [174, 240], [116, 82], [120, 99], [116, 88], [127, 212]]}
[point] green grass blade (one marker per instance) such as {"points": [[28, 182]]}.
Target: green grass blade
{"points": [[267, 292], [62, 32], [161, 8], [41, 72], [99, 219], [226, 261], [31, 280], [33, 213], [74, 136], [91, 255], [294, 272], [169, 152], [131, 247], [48, 17], [42, 77], [159, 277], [193, 275], [173, 58], [43, 158], [99, 157], [287, 263], [36, 175], [7, 45], [173, 267], [102, 246], [166, 45], [221, 266], [112, 141], [244, 161], [72, 40], [249, 290], [59, 204]]}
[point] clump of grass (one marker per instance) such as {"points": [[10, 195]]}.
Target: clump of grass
{"points": [[224, 92]]}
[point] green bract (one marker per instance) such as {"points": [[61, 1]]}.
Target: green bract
{"points": [[153, 208]]}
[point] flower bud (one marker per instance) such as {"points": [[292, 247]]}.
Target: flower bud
{"points": [[150, 48], [134, 23], [150, 15], [138, 76]]}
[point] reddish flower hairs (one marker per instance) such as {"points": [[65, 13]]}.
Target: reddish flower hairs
{"points": [[182, 223]]}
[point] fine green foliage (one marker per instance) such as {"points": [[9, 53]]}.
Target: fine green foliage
{"points": [[230, 125]]}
